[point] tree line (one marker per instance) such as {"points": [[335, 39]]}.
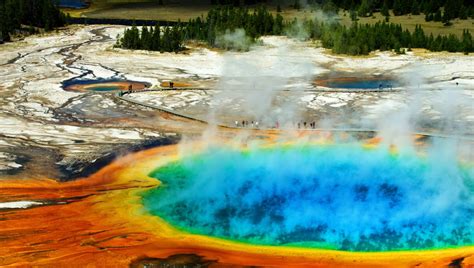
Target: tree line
{"points": [[227, 18], [358, 39], [218, 21], [434, 10], [20, 15], [168, 39], [437, 10], [361, 39]]}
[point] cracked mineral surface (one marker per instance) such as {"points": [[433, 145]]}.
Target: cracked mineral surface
{"points": [[273, 82]]}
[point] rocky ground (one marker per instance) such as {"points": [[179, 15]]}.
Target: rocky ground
{"points": [[46, 131]]}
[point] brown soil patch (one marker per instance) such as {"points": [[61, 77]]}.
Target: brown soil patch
{"points": [[176, 84]]}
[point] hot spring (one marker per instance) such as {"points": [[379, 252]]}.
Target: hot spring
{"points": [[343, 197], [103, 85], [361, 83]]}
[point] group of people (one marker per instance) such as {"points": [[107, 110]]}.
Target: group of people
{"points": [[306, 125], [245, 123], [255, 124]]}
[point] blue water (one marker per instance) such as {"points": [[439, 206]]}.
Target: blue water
{"points": [[364, 84], [336, 197], [72, 3], [105, 88], [90, 81]]}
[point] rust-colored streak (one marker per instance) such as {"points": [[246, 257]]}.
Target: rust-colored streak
{"points": [[125, 85], [176, 84]]}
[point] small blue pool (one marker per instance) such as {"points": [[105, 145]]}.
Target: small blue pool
{"points": [[363, 84]]}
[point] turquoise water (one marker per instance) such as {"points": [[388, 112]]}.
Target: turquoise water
{"points": [[337, 197], [364, 84], [104, 88]]}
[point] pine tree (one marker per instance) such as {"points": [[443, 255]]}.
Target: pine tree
{"points": [[145, 39], [397, 8], [156, 38], [297, 5], [166, 40], [353, 15], [415, 8], [467, 44], [437, 16], [406, 6], [4, 33], [364, 9], [429, 17], [451, 9], [278, 25], [132, 38], [11, 13], [385, 9], [464, 13], [418, 37]]}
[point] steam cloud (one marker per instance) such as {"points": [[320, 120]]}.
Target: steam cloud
{"points": [[236, 40], [340, 197]]}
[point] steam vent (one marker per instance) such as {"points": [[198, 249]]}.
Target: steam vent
{"points": [[236, 134]]}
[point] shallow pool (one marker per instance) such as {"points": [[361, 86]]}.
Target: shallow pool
{"points": [[103, 85], [341, 197], [363, 84]]}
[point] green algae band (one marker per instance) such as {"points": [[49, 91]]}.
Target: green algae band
{"points": [[336, 197]]}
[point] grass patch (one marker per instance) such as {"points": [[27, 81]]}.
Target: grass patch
{"points": [[188, 9], [410, 21]]}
